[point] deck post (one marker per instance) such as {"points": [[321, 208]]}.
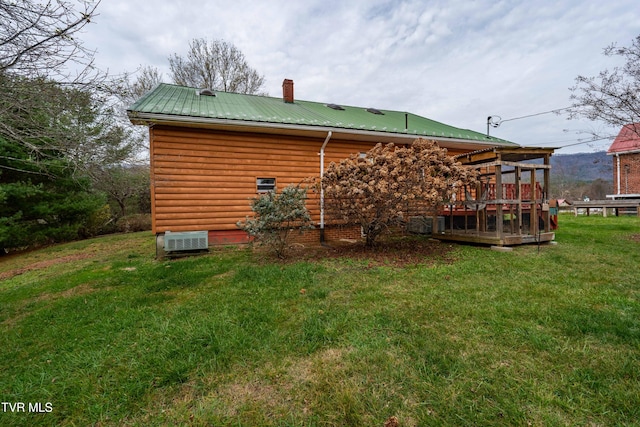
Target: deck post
{"points": [[464, 206], [533, 212], [519, 199], [499, 214], [479, 222], [545, 194]]}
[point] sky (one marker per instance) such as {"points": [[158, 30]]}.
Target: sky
{"points": [[454, 61]]}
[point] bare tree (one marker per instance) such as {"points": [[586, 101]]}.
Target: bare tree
{"points": [[40, 38], [147, 78], [121, 184], [50, 122], [215, 65], [55, 104], [613, 96]]}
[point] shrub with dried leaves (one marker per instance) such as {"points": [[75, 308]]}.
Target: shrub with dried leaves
{"points": [[391, 183]]}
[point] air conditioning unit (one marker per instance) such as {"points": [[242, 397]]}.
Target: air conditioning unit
{"points": [[420, 225], [424, 225], [186, 241]]}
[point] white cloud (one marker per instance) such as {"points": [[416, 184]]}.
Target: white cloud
{"points": [[453, 61]]}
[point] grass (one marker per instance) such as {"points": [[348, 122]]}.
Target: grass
{"points": [[538, 336]]}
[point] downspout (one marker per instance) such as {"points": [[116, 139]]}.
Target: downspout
{"points": [[618, 173], [324, 144]]}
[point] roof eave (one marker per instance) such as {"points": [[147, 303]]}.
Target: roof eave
{"points": [[149, 119]]}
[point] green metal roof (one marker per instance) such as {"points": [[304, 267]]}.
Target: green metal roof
{"points": [[170, 100]]}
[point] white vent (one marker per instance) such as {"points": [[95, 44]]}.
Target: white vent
{"points": [[264, 185], [186, 241]]}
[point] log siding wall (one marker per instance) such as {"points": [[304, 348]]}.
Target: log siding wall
{"points": [[204, 180]]}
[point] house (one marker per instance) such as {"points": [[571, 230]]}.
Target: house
{"points": [[625, 151], [211, 152]]}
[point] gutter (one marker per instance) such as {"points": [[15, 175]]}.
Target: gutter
{"points": [[321, 154], [138, 118]]}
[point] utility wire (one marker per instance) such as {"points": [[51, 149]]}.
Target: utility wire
{"points": [[585, 142], [580, 141], [557, 110]]}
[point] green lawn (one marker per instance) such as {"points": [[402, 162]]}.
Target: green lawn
{"points": [[99, 333]]}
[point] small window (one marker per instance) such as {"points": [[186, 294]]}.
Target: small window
{"points": [[375, 111], [264, 185]]}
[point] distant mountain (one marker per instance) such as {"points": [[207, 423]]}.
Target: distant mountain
{"points": [[576, 176], [582, 167]]}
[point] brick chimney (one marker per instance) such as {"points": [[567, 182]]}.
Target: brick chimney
{"points": [[287, 91]]}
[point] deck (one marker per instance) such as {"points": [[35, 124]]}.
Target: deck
{"points": [[508, 205]]}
